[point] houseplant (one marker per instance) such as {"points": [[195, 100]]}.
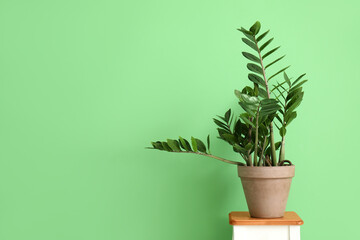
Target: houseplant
{"points": [[268, 104]]}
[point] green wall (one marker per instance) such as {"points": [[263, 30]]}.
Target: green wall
{"points": [[86, 85]]}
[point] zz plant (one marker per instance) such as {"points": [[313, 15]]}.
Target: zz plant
{"points": [[267, 103]]}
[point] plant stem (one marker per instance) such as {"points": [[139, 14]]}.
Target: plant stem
{"points": [[263, 149], [249, 155], [282, 149], [256, 136], [272, 141], [215, 157]]}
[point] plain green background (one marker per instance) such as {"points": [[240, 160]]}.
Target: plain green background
{"points": [[86, 85]]}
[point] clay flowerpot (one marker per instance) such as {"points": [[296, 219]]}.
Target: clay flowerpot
{"points": [[266, 189]]}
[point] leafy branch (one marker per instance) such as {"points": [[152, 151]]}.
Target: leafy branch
{"points": [[183, 146], [251, 133]]}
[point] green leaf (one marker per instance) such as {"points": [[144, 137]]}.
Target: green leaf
{"points": [[229, 138], [270, 52], [282, 131], [222, 131], [239, 149], [227, 115], [255, 28], [248, 90], [289, 117], [279, 119], [250, 44], [200, 145], [287, 79], [297, 86], [295, 102], [275, 61], [247, 33], [246, 120], [256, 79], [248, 108], [185, 144], [266, 44], [157, 145], [263, 93], [194, 144], [268, 101], [249, 146], [238, 128], [293, 93], [262, 36], [174, 145], [269, 107], [237, 93], [221, 117], [219, 123], [264, 112], [249, 99], [208, 142], [276, 87], [254, 68], [298, 79], [166, 147], [277, 145], [279, 72], [251, 57]]}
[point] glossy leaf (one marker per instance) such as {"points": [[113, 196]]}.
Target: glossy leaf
{"points": [[157, 145], [254, 68], [227, 115], [200, 145], [250, 44], [282, 131], [174, 145], [298, 79], [251, 57], [262, 36], [250, 109], [239, 149], [185, 144], [194, 144], [229, 138], [263, 93], [256, 79], [219, 123], [279, 72], [275, 61], [222, 131], [289, 117], [166, 147], [287, 79], [249, 99], [208, 142], [247, 34], [246, 120], [295, 102], [298, 85], [270, 52], [255, 28], [266, 44], [293, 93]]}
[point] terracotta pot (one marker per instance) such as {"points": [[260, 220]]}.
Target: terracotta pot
{"points": [[266, 189]]}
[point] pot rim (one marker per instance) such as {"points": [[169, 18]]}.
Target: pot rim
{"points": [[266, 172], [266, 167]]}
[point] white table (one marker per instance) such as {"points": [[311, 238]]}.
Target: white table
{"points": [[248, 228]]}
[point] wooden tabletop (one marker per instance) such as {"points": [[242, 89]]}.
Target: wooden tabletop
{"points": [[243, 218]]}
